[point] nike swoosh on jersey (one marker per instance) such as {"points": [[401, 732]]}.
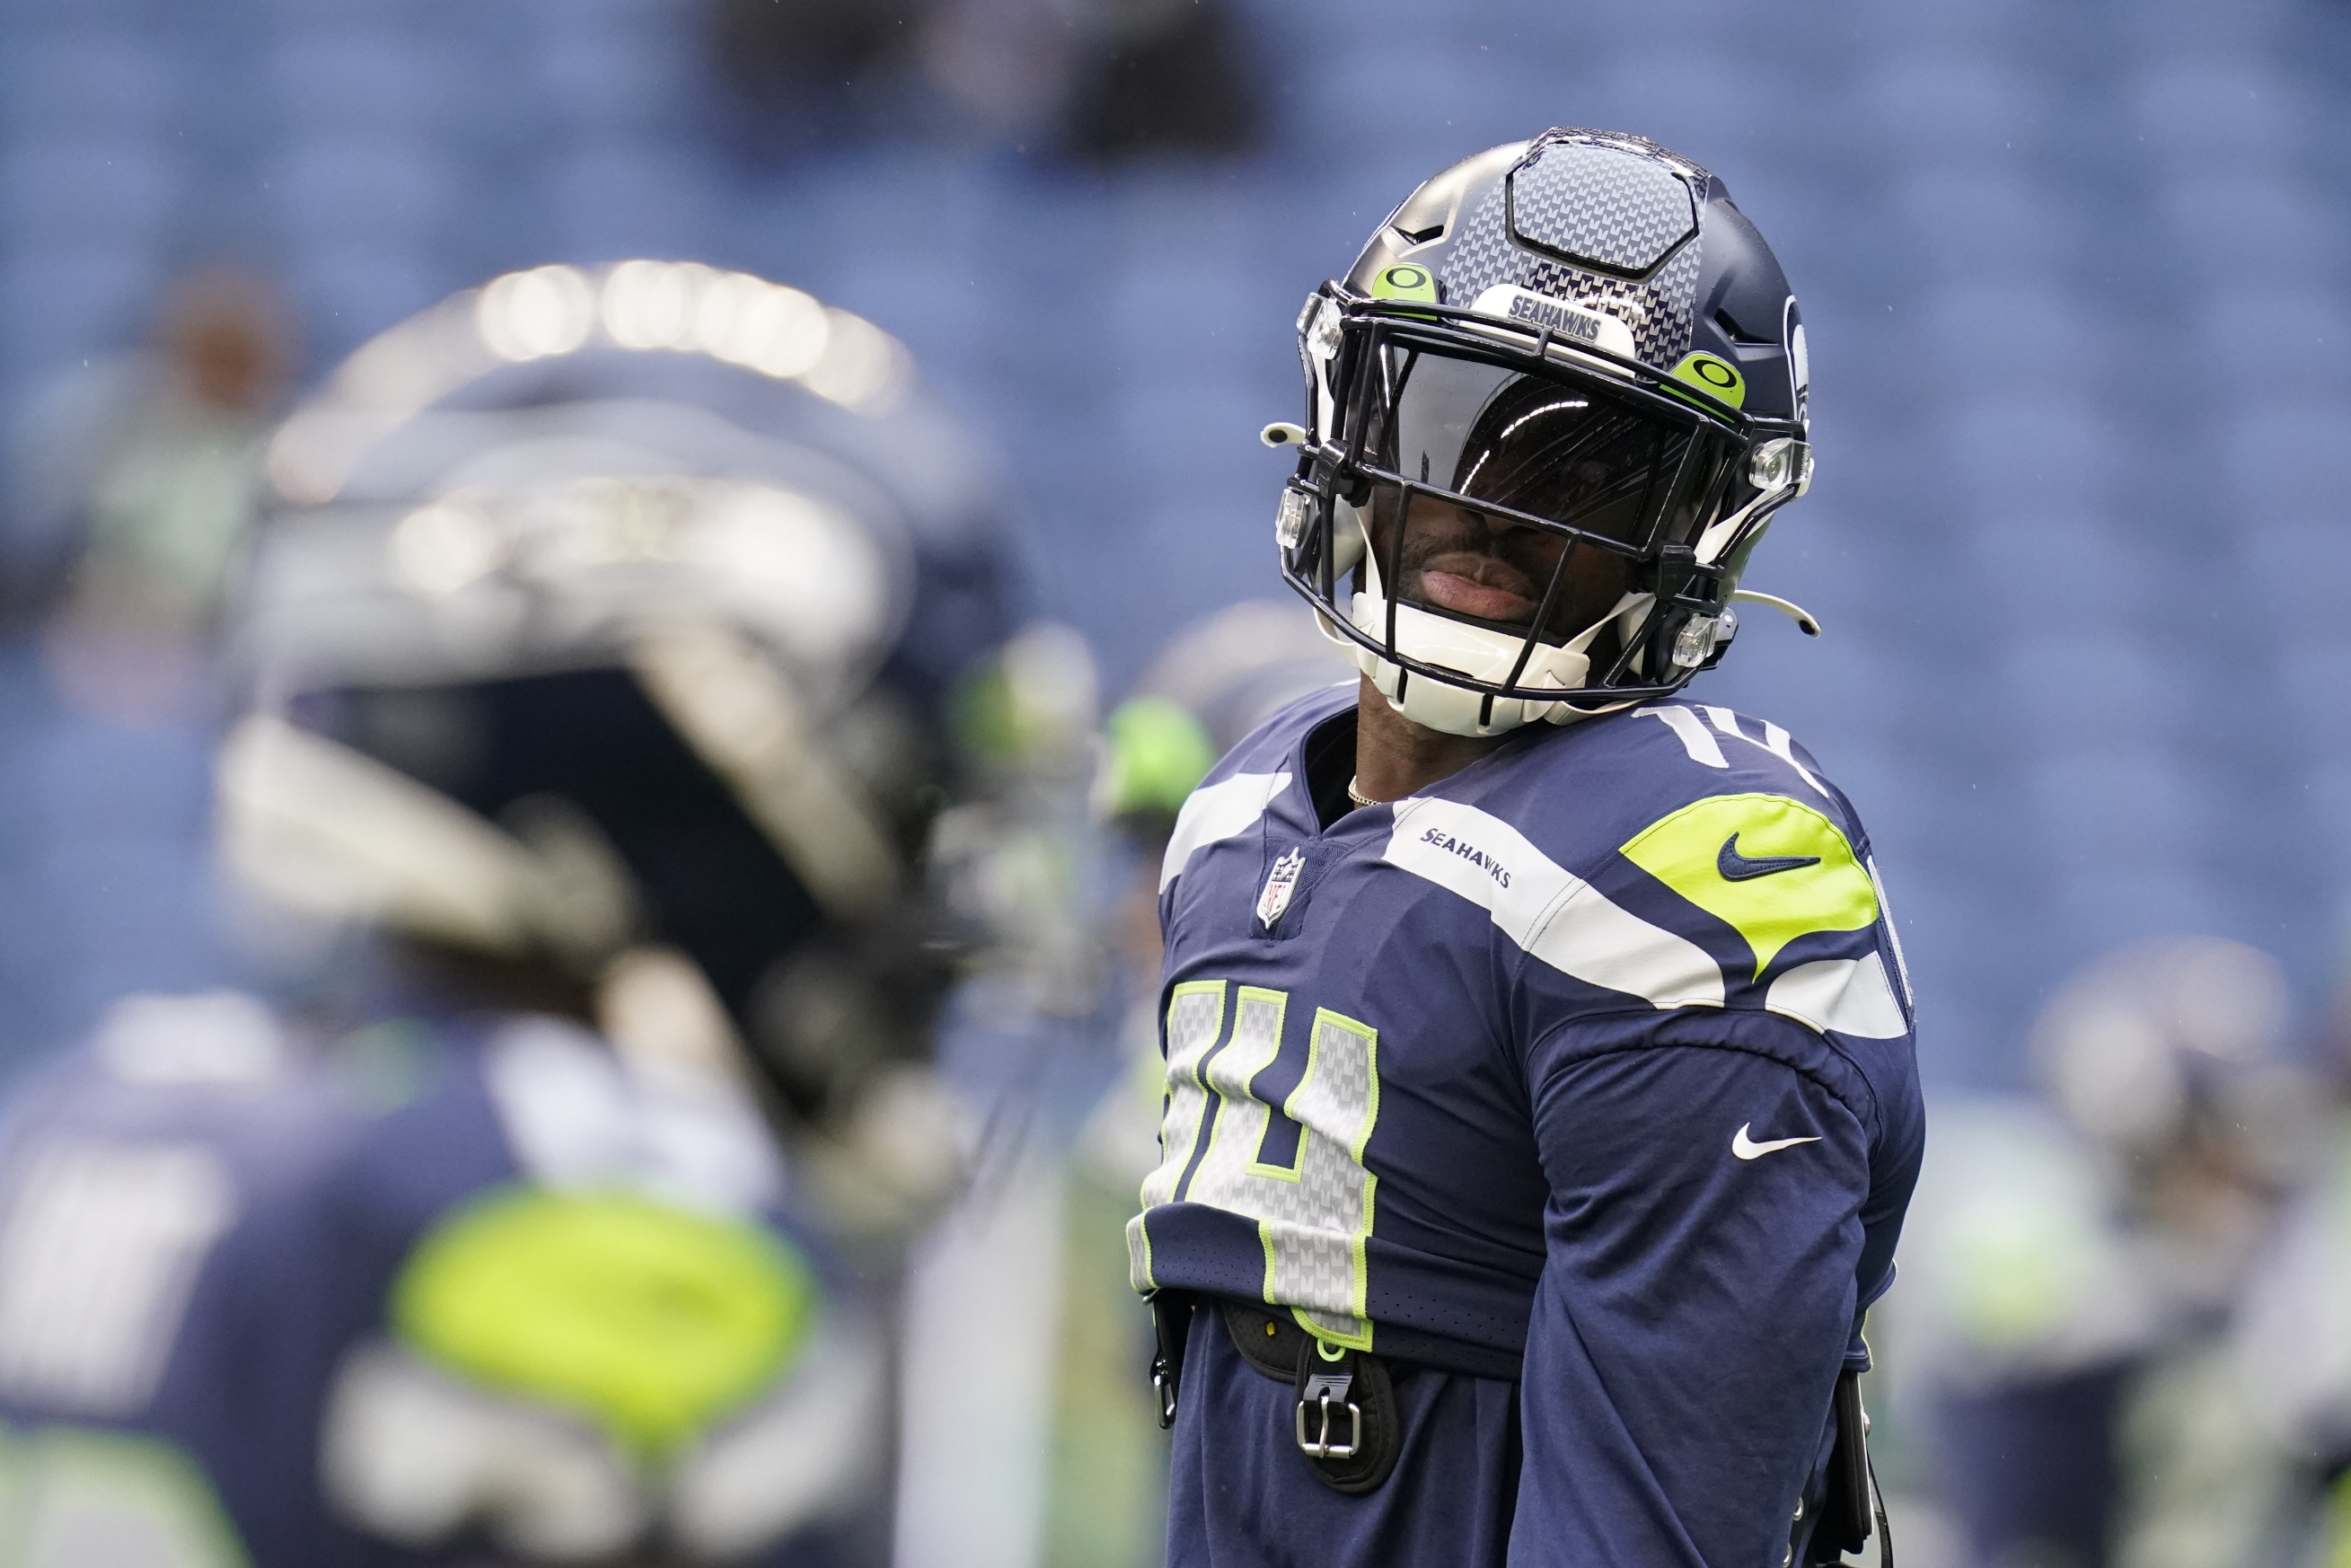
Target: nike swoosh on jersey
{"points": [[1747, 1148], [1736, 867]]}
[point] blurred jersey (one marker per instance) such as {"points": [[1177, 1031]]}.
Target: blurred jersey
{"points": [[2072, 1261], [478, 1290]]}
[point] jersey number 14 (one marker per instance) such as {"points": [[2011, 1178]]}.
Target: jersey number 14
{"points": [[1298, 1169]]}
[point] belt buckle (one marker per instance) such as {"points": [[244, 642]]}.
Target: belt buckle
{"points": [[1323, 1390]]}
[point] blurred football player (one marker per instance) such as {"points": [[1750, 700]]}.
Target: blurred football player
{"points": [[1541, 1107], [2071, 1266], [591, 750], [2292, 1357], [1213, 684]]}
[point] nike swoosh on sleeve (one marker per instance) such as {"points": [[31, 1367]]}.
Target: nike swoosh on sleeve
{"points": [[1747, 1148]]}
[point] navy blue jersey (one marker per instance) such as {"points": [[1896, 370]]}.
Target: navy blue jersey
{"points": [[152, 1232], [1589, 1065], [442, 1289]]}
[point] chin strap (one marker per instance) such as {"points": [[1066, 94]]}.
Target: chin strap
{"points": [[1723, 532]]}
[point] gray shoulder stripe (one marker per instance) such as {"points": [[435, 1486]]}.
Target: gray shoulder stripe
{"points": [[1687, 730], [1218, 811], [1775, 741], [1548, 911], [1847, 996]]}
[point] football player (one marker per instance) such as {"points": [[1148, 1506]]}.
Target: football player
{"points": [[1541, 1105], [590, 689]]}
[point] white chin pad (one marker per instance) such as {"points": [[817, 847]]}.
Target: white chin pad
{"points": [[1475, 652], [1351, 541]]}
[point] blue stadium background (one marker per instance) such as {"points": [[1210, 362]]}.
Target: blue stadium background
{"points": [[2074, 279]]}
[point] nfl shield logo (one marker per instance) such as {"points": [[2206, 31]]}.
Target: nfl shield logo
{"points": [[1279, 883]]}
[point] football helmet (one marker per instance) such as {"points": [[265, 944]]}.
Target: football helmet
{"points": [[1551, 411], [607, 613]]}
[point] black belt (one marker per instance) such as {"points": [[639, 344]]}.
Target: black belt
{"points": [[1345, 1421], [1350, 1432]]}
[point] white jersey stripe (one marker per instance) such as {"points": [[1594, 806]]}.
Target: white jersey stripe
{"points": [[1893, 933], [1850, 996], [1775, 741], [1220, 811], [1687, 730], [1553, 915]]}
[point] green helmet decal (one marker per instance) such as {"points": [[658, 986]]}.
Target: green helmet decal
{"points": [[1404, 281], [1158, 755], [647, 1318], [1771, 868], [1719, 378]]}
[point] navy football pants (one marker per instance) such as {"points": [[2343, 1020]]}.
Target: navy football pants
{"points": [[1241, 1495]]}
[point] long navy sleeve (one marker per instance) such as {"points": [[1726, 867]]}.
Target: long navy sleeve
{"points": [[1696, 1306]]}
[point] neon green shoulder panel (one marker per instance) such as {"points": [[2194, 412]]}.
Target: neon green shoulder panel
{"points": [[1771, 867], [648, 1319]]}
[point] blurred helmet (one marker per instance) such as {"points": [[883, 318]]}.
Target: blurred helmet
{"points": [[1217, 680], [2162, 1039], [1551, 410], [609, 610]]}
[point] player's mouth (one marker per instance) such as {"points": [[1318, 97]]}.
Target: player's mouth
{"points": [[1483, 586]]}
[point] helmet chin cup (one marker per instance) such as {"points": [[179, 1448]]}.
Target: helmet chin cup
{"points": [[1477, 653]]}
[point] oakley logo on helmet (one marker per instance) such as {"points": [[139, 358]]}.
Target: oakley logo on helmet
{"points": [[1716, 378], [1405, 282]]}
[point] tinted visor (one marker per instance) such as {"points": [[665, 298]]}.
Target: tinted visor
{"points": [[1552, 445], [1527, 500]]}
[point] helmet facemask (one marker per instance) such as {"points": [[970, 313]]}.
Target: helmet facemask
{"points": [[1491, 519]]}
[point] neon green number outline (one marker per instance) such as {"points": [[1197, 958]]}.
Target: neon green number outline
{"points": [[1358, 1241], [1315, 1225], [1183, 1108]]}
